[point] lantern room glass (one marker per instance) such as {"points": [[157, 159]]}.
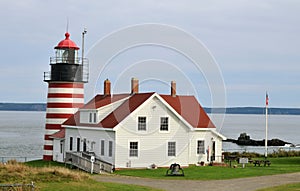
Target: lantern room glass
{"points": [[69, 56]]}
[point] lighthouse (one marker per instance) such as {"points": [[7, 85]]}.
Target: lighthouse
{"points": [[65, 89]]}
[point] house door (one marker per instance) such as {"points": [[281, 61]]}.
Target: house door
{"points": [[84, 145], [213, 151], [78, 144]]}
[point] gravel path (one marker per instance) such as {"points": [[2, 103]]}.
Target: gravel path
{"points": [[241, 184]]}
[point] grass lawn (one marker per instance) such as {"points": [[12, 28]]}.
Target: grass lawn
{"points": [[278, 166], [286, 187], [89, 185], [52, 176]]}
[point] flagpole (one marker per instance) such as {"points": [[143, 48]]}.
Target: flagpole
{"points": [[266, 139]]}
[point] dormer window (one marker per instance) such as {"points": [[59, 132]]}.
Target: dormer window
{"points": [[92, 117]]}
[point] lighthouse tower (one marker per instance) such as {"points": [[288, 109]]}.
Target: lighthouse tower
{"points": [[65, 89]]}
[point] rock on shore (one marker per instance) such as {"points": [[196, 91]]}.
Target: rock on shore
{"points": [[245, 139]]}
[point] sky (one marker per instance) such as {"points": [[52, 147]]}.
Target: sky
{"points": [[255, 45]]}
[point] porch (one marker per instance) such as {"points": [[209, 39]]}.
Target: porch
{"points": [[88, 162]]}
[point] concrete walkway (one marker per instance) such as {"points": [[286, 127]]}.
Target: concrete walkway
{"points": [[241, 184]]}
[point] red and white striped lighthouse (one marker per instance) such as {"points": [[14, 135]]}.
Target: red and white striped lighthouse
{"points": [[65, 89]]}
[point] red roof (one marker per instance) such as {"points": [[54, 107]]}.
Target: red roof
{"points": [[67, 43], [102, 100], [97, 102], [190, 109], [115, 117], [186, 106], [60, 134]]}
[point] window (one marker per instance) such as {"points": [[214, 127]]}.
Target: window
{"points": [[90, 118], [133, 149], [142, 123], [164, 123], [61, 147], [171, 149], [200, 147], [78, 144], [110, 148], [95, 116], [84, 145], [102, 148], [92, 146], [71, 143]]}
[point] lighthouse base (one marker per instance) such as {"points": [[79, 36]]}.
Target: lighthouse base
{"points": [[47, 157]]}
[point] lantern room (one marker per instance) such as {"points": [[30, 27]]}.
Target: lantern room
{"points": [[66, 66], [67, 51]]}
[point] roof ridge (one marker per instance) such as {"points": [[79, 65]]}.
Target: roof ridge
{"points": [[121, 112]]}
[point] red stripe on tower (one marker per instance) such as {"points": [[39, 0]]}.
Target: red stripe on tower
{"points": [[64, 105], [61, 102], [64, 95], [58, 115], [65, 90], [65, 85]]}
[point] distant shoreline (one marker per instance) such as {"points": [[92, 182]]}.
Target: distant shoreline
{"points": [[229, 110], [254, 110]]}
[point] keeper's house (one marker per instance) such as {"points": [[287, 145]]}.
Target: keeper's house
{"points": [[137, 130]]}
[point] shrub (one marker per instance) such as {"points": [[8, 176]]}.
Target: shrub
{"points": [[13, 172]]}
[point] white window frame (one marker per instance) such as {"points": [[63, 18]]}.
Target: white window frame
{"points": [[102, 147], [93, 143], [95, 117], [85, 145], [110, 148], [160, 119], [78, 146], [92, 117], [168, 149], [61, 145], [138, 123], [200, 153], [138, 148], [71, 145]]}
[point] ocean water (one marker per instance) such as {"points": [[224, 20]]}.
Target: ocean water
{"points": [[22, 132], [284, 127]]}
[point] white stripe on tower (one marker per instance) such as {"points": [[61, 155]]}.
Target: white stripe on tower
{"points": [[63, 101]]}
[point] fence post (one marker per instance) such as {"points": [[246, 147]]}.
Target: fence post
{"points": [[92, 163], [32, 186]]}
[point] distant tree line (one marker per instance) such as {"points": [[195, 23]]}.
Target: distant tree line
{"points": [[254, 110], [22, 106], [230, 110]]}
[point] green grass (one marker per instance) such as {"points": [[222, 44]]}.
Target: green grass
{"points": [[278, 166], [285, 187], [90, 185], [41, 163]]}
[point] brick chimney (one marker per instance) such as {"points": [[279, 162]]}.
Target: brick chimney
{"points": [[134, 86], [173, 88], [106, 87]]}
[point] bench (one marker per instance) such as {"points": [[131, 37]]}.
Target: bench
{"points": [[256, 162], [259, 162], [267, 162]]}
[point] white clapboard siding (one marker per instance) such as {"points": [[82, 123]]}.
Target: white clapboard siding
{"points": [[92, 137], [152, 143]]}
